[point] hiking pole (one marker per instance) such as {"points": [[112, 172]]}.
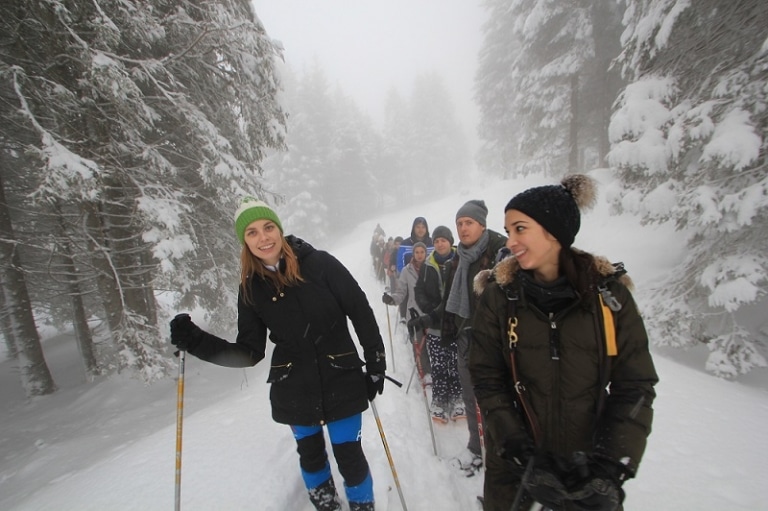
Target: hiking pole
{"points": [[413, 371], [417, 350], [391, 348], [389, 455], [179, 423], [523, 482]]}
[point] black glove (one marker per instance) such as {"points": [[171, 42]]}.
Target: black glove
{"points": [[588, 484], [516, 450], [375, 384], [601, 490], [603, 495], [510, 439], [386, 298], [185, 335], [420, 323]]}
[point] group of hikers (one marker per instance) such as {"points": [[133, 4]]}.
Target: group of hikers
{"points": [[431, 284], [539, 346]]}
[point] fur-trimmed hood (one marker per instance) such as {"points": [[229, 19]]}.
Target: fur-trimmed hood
{"points": [[504, 273]]}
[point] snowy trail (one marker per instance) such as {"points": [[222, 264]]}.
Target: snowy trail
{"points": [[111, 446]]}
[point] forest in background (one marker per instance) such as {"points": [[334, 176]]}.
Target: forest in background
{"points": [[131, 130]]}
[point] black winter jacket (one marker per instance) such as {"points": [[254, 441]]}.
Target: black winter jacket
{"points": [[316, 373], [429, 288], [567, 392]]}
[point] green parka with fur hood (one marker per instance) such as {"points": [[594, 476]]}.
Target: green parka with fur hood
{"points": [[563, 364]]}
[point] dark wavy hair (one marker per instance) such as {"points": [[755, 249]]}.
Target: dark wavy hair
{"points": [[580, 270]]}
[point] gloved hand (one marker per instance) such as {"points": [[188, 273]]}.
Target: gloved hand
{"points": [[604, 495], [516, 450], [375, 384], [511, 440], [387, 298], [185, 335], [601, 489], [420, 323]]}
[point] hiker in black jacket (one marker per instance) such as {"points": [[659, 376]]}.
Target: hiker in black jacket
{"points": [[560, 362], [477, 250], [303, 297]]}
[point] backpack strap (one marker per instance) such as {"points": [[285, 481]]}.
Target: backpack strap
{"points": [[608, 306], [609, 328], [520, 390]]}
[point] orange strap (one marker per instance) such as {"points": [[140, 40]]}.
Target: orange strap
{"points": [[609, 328]]}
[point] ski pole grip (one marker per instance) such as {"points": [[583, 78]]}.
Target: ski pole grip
{"points": [[393, 380]]}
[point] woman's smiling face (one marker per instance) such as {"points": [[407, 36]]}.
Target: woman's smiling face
{"points": [[265, 241], [534, 248]]}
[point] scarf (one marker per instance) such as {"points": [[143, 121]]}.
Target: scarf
{"points": [[550, 297], [441, 260], [458, 299]]}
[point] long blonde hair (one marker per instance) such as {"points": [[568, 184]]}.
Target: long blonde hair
{"points": [[251, 265]]}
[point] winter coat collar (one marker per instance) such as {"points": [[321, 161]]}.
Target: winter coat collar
{"points": [[300, 247], [504, 273]]}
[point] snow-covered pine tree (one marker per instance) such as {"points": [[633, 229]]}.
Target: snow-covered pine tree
{"points": [[544, 84], [397, 134], [438, 148], [151, 121], [350, 185], [297, 173], [689, 139], [333, 156], [36, 379], [495, 91]]}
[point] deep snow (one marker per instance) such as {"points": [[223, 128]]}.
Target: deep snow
{"points": [[111, 445]]}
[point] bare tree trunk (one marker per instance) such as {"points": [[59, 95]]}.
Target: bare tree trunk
{"points": [[5, 326], [609, 81], [36, 378], [106, 278], [79, 318], [148, 287]]}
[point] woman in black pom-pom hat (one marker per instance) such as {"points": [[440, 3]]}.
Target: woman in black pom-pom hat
{"points": [[560, 362]]}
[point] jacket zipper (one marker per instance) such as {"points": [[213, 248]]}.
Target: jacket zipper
{"points": [[554, 338], [554, 352], [337, 355]]}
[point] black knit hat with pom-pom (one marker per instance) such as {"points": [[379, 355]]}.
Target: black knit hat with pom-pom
{"points": [[557, 208]]}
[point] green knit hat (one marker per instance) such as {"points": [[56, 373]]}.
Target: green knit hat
{"points": [[252, 209]]}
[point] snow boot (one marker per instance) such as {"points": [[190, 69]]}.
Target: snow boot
{"points": [[361, 506], [439, 416], [458, 412], [325, 498], [438, 413]]}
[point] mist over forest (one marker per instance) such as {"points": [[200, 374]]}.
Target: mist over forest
{"points": [[131, 131]]}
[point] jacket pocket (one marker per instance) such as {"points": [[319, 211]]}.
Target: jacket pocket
{"points": [[279, 372], [347, 361]]}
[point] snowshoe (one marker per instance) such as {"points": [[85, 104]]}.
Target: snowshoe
{"points": [[458, 412], [439, 415]]}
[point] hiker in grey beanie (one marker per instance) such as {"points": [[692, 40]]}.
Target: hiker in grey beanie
{"points": [[476, 251], [475, 209], [442, 231]]}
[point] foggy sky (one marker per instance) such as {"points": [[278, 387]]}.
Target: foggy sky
{"points": [[368, 47]]}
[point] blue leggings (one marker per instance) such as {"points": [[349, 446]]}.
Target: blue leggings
{"points": [[345, 435]]}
